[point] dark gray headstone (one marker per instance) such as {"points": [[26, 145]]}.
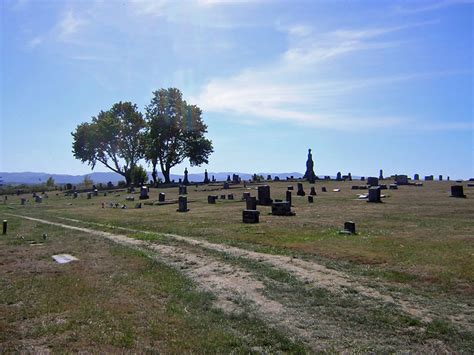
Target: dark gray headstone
{"points": [[416, 177], [401, 180], [374, 194], [372, 181], [457, 191], [222, 197], [300, 191], [161, 197], [251, 203], [289, 187], [183, 190], [250, 216], [230, 196], [310, 199], [211, 199], [313, 191], [393, 187], [264, 198], [245, 195], [144, 193], [350, 227], [323, 189], [288, 196], [226, 185], [282, 209], [182, 204]]}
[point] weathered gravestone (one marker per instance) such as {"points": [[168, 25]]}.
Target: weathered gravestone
{"points": [[226, 185], [440, 178], [338, 176], [250, 216], [269, 178], [350, 227], [230, 196], [206, 177], [313, 191], [288, 196], [401, 180], [38, 199], [245, 195], [416, 177], [144, 193], [251, 203], [264, 198], [323, 189], [289, 187], [457, 191], [429, 178], [310, 199], [374, 194], [161, 197], [182, 204], [222, 197], [282, 209], [211, 199], [393, 187], [372, 181], [300, 191], [74, 194], [183, 190]]}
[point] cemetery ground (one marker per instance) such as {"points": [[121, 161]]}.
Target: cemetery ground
{"points": [[202, 281]]}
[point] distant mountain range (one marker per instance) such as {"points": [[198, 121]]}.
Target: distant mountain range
{"points": [[104, 177]]}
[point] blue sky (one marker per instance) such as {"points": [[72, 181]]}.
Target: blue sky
{"points": [[367, 85]]}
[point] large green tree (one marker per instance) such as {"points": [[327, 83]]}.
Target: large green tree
{"points": [[175, 131], [114, 138]]}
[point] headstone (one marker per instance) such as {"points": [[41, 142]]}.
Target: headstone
{"points": [[251, 203], [309, 174], [290, 188], [457, 191], [222, 197], [288, 196], [226, 185], [228, 178], [300, 191], [182, 204], [38, 199], [277, 178], [264, 195], [269, 178], [186, 181], [74, 194], [440, 178], [144, 193], [250, 216], [183, 190], [310, 199], [161, 197], [230, 196], [372, 181], [323, 189], [206, 177], [245, 195], [447, 178], [349, 177], [338, 176], [235, 179], [374, 194], [95, 192], [138, 205], [381, 174], [393, 187], [383, 187], [416, 177], [282, 209], [355, 187], [211, 199], [362, 178], [313, 191], [213, 178], [401, 180], [429, 178], [350, 227]]}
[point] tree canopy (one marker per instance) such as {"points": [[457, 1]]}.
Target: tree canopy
{"points": [[119, 138]]}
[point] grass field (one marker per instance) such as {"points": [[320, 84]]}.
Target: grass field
{"points": [[404, 282]]}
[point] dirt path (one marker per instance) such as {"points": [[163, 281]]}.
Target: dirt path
{"points": [[308, 272]]}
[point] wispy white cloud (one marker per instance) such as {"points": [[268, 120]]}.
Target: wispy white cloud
{"points": [[35, 42], [68, 25], [430, 6], [292, 90]]}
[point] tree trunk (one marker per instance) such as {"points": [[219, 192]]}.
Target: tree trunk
{"points": [[166, 174], [154, 175]]}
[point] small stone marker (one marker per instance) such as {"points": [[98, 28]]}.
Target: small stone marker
{"points": [[245, 195], [182, 204], [230, 196], [138, 205], [313, 191], [74, 194], [429, 178], [183, 190], [251, 203], [211, 199], [401, 180], [264, 195], [161, 197], [300, 191], [5, 226], [374, 194], [222, 197], [64, 258], [310, 199], [290, 188], [350, 227], [323, 189], [38, 199], [282, 209], [288, 196], [144, 193], [457, 191], [250, 216], [393, 187], [355, 187], [96, 192]]}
